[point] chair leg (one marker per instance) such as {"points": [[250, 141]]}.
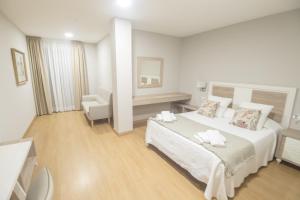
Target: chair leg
{"points": [[92, 123], [108, 119], [19, 191]]}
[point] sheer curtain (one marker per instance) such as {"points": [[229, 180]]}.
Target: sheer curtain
{"points": [[57, 57], [59, 74]]}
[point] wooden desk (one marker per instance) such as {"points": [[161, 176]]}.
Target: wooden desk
{"points": [[160, 98], [17, 161]]}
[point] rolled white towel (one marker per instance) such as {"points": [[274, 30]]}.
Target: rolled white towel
{"points": [[217, 141], [204, 136], [159, 117], [167, 116]]}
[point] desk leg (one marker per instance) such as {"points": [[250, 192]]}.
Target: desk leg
{"points": [[19, 191]]}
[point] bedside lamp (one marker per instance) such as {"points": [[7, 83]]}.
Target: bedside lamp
{"points": [[201, 85]]}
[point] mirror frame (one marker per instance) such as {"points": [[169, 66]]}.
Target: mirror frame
{"points": [[140, 60]]}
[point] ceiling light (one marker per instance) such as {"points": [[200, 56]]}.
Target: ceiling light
{"points": [[124, 3], [69, 35]]}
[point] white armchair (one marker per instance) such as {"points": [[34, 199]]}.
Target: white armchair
{"points": [[97, 106]]}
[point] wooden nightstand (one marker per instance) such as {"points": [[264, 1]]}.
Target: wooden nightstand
{"points": [[288, 148]]}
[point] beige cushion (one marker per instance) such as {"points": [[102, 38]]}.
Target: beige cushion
{"points": [[246, 118], [41, 187], [208, 108], [265, 110], [87, 104]]}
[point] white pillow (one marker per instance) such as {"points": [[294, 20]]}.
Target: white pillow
{"points": [[271, 124], [264, 109], [229, 113], [223, 104]]}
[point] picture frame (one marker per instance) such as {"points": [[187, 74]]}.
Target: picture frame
{"points": [[19, 65]]}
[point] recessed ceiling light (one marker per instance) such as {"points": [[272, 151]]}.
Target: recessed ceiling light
{"points": [[124, 3], [69, 35]]}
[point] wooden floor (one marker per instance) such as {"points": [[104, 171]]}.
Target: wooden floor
{"points": [[95, 163]]}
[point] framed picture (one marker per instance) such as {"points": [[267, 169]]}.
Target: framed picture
{"points": [[19, 65]]}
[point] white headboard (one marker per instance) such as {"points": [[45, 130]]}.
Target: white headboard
{"points": [[282, 98]]}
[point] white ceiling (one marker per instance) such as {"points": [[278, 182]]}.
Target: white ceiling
{"points": [[89, 20]]}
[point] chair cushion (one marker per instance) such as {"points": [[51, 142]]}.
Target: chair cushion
{"points": [[101, 100], [87, 104]]}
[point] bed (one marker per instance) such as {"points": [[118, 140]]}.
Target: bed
{"points": [[204, 165]]}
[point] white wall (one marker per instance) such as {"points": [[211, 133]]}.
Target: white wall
{"points": [[16, 103], [149, 45], [104, 68], [122, 75], [99, 67], [146, 44], [263, 51], [92, 65]]}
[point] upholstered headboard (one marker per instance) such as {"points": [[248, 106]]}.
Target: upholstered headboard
{"points": [[223, 91], [282, 98]]}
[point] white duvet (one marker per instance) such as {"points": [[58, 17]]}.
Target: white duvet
{"points": [[204, 165]]}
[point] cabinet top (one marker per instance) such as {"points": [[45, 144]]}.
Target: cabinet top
{"points": [[160, 98], [293, 133]]}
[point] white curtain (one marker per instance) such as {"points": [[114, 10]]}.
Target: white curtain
{"points": [[57, 57]]}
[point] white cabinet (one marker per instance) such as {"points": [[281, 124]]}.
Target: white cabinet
{"points": [[289, 147], [291, 150]]}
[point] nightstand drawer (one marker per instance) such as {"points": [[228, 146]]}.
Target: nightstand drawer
{"points": [[291, 150]]}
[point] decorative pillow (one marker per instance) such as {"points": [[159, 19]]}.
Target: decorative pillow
{"points": [[223, 104], [246, 118], [208, 108], [264, 109]]}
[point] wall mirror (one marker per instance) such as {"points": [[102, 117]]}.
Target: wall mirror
{"points": [[149, 72]]}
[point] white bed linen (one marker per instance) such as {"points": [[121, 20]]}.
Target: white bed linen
{"points": [[204, 165]]}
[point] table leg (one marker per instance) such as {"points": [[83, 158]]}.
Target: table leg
{"points": [[19, 191]]}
